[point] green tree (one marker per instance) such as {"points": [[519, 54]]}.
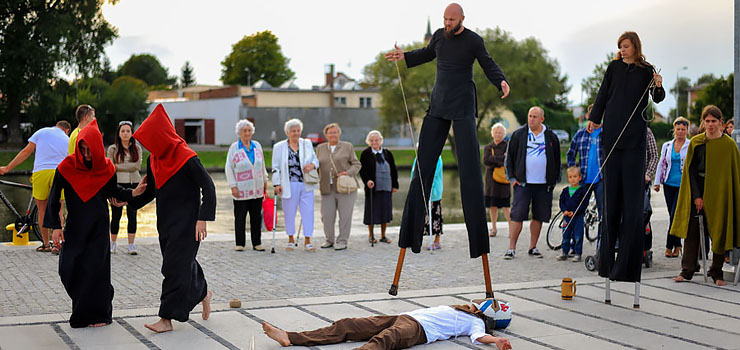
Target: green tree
{"points": [[146, 67], [681, 88], [125, 99], [718, 93], [706, 78], [187, 77], [38, 38], [256, 57], [590, 85]]}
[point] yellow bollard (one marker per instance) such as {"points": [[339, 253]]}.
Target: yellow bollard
{"points": [[22, 240]]}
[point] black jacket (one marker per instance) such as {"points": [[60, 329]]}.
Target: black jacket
{"points": [[367, 172], [516, 156]]}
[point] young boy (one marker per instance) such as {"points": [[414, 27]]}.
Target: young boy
{"points": [[573, 210]]}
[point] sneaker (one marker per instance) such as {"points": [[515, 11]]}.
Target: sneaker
{"points": [[509, 254], [340, 246], [577, 258], [258, 248], [112, 247], [434, 246], [327, 244], [132, 249], [563, 257], [239, 248], [534, 252]]}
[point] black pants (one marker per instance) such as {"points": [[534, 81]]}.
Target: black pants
{"points": [[432, 138], [254, 208], [671, 199], [624, 185], [691, 252], [116, 212]]}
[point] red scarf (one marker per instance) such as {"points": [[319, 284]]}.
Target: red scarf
{"points": [[85, 181], [169, 151]]}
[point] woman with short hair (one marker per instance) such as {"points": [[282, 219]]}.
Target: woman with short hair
{"points": [[497, 190], [294, 177], [247, 177], [380, 176]]}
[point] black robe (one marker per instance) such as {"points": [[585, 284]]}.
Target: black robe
{"points": [[179, 207], [84, 261]]}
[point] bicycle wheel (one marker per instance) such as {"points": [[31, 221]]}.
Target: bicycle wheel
{"points": [[555, 232], [591, 225], [33, 217]]}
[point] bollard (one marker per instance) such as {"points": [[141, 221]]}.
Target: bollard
{"points": [[22, 240]]}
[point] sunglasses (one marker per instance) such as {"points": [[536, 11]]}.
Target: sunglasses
{"points": [[125, 122], [682, 123]]}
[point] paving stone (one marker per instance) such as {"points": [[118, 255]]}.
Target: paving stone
{"points": [[112, 336], [184, 336], [30, 337]]}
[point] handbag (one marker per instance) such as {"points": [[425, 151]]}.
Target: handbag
{"points": [[499, 173], [345, 184], [311, 177]]}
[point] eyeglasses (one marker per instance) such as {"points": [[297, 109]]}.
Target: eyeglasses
{"points": [[125, 122]]}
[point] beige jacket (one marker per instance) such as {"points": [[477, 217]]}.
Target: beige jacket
{"points": [[128, 171], [345, 159]]}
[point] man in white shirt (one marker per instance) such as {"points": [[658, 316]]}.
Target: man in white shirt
{"points": [[403, 331], [50, 145]]}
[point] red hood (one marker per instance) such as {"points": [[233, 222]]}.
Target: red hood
{"points": [[85, 181]]}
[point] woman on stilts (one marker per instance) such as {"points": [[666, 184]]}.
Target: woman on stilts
{"points": [[176, 177], [88, 180], [621, 105]]}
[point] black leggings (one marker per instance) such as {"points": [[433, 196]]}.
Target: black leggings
{"points": [[116, 213], [254, 208]]}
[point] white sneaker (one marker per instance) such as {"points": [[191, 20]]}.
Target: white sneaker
{"points": [[132, 249], [112, 247]]}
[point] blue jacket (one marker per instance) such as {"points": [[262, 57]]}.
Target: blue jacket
{"points": [[570, 203], [437, 185]]}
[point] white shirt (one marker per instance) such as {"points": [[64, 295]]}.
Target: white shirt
{"points": [[51, 148], [444, 322], [536, 162]]}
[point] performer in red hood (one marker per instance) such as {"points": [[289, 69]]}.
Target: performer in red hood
{"points": [[88, 180], [177, 179]]}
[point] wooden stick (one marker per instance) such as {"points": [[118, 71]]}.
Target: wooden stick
{"points": [[399, 266], [487, 276]]}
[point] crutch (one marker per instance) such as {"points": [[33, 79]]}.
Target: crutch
{"points": [[701, 243], [274, 223]]}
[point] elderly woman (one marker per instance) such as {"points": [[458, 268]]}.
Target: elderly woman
{"points": [[247, 178], [294, 176], [668, 174], [380, 176], [336, 158], [497, 190]]}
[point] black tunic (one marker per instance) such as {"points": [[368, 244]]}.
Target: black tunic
{"points": [[179, 207], [84, 261], [454, 96], [620, 91]]}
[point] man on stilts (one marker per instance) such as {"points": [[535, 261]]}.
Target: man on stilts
{"points": [[453, 103]]}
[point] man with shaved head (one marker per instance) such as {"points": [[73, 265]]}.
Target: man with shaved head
{"points": [[533, 166], [453, 103]]}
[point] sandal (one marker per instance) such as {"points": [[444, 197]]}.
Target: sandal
{"points": [[493, 233], [54, 250], [385, 240], [668, 253], [43, 249], [372, 240], [309, 247], [290, 246], [676, 252]]}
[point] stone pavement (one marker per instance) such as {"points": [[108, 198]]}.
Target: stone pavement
{"points": [[691, 315]]}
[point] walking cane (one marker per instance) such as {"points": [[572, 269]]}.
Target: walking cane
{"points": [[703, 250], [372, 220], [274, 223]]}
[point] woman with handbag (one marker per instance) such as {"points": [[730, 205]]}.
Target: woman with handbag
{"points": [[497, 188], [126, 155], [338, 166], [380, 176], [294, 176]]}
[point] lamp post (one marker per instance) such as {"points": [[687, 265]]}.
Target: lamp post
{"points": [[678, 90], [249, 76]]}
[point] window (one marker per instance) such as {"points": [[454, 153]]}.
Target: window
{"points": [[366, 102], [340, 101]]}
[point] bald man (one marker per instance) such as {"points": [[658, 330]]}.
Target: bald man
{"points": [[453, 103], [533, 167]]}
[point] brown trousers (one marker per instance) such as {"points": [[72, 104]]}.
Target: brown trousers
{"points": [[383, 332], [691, 252]]}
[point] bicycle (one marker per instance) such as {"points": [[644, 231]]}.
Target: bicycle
{"points": [[27, 222], [590, 226]]}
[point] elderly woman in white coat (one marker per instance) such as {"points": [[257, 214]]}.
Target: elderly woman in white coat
{"points": [[247, 177], [295, 177]]}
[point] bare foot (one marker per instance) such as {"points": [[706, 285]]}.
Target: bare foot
{"points": [[207, 305], [96, 325], [720, 283], [679, 278], [163, 325], [276, 334]]}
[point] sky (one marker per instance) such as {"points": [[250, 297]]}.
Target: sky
{"points": [[578, 34]]}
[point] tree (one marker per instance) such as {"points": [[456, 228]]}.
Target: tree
{"points": [[590, 85], [146, 67], [38, 38], [718, 93], [187, 78], [706, 78], [681, 88], [256, 57], [125, 99]]}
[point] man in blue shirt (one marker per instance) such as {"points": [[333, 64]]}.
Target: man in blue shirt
{"points": [[587, 146]]}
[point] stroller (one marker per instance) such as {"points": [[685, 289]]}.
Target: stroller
{"points": [[592, 261]]}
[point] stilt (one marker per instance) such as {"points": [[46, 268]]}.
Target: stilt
{"points": [[636, 304], [702, 249], [608, 292], [487, 276], [399, 266], [431, 236]]}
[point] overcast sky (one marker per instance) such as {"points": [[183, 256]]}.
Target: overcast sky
{"points": [[577, 33]]}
